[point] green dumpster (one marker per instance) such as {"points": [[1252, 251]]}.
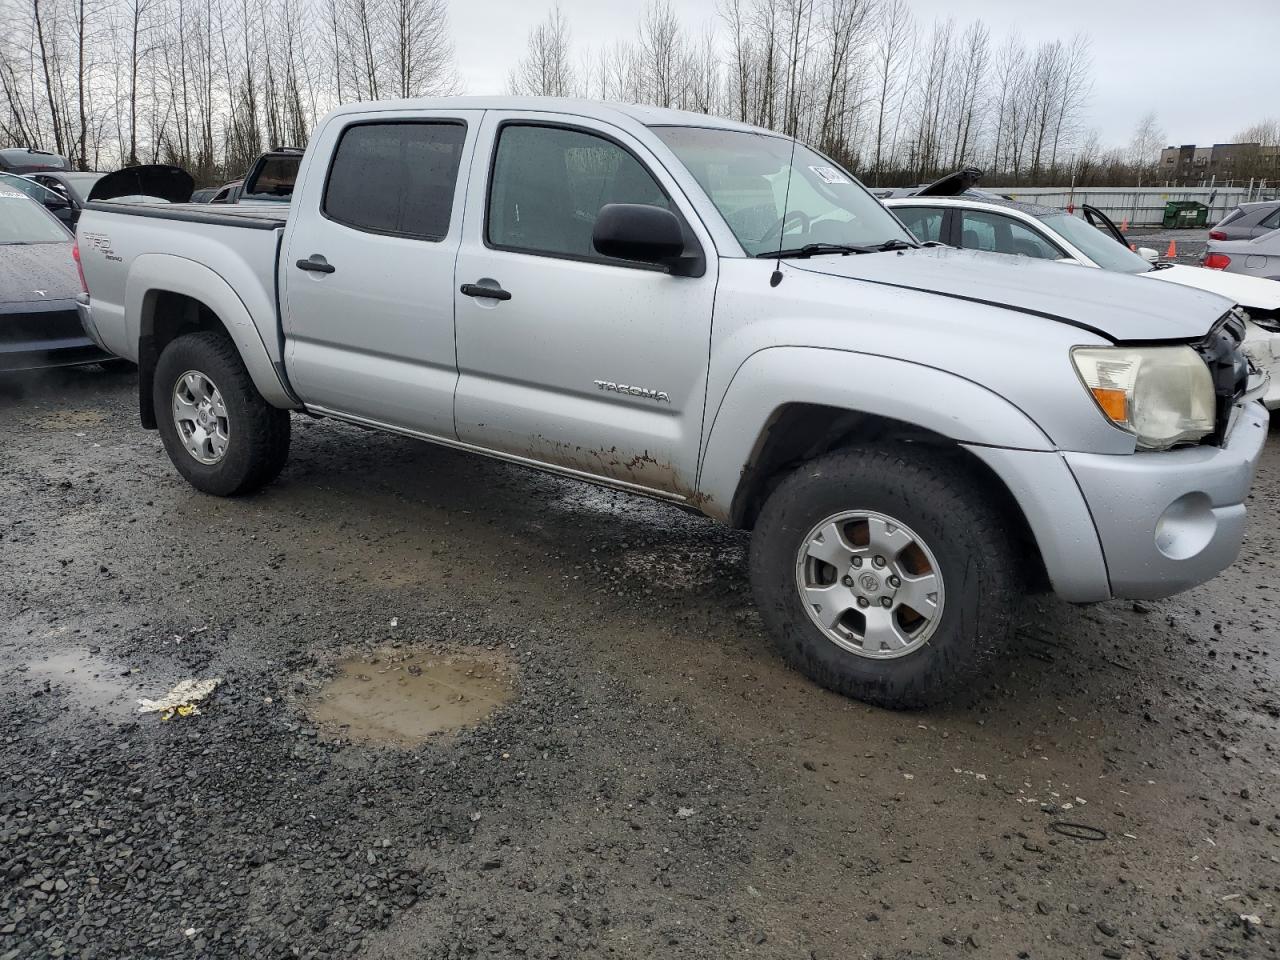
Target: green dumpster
{"points": [[1185, 213]]}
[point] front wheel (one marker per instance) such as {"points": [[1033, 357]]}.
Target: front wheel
{"points": [[886, 574], [223, 437]]}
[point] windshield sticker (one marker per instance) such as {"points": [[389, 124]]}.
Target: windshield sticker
{"points": [[830, 175]]}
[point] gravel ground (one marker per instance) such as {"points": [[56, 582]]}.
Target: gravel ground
{"points": [[1189, 245], [659, 785]]}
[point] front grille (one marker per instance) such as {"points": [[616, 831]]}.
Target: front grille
{"points": [[1228, 366], [39, 326]]}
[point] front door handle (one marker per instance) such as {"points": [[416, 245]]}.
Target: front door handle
{"points": [[476, 290], [316, 264]]}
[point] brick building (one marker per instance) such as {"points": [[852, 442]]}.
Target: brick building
{"points": [[1189, 164]]}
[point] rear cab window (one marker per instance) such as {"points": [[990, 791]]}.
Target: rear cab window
{"points": [[396, 178]]}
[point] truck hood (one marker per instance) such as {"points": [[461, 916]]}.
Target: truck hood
{"points": [[1256, 293], [150, 180], [37, 272], [1116, 306]]}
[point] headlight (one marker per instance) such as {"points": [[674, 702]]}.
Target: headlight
{"points": [[1161, 395]]}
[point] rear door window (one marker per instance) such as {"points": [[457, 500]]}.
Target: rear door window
{"points": [[924, 222], [1272, 221], [396, 178], [1000, 234]]}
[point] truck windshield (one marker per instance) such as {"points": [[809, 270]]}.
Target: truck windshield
{"points": [[745, 175], [22, 220]]}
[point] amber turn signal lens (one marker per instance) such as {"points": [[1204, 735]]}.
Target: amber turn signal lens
{"points": [[1112, 403]]}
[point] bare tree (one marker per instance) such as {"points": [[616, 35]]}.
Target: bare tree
{"points": [[895, 34], [1144, 146], [547, 69], [661, 53], [418, 48]]}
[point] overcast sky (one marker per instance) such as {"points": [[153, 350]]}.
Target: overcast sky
{"points": [[1229, 75]]}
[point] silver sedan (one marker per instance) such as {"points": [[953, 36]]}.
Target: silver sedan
{"points": [[1259, 257]]}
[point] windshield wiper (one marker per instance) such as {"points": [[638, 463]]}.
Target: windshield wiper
{"points": [[895, 244], [813, 249], [843, 249]]}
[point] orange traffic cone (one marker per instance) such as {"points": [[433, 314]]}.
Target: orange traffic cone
{"points": [[1172, 251], [1124, 225], [1133, 248]]}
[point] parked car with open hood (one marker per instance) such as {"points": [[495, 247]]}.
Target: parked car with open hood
{"points": [[40, 289], [708, 313], [148, 183], [980, 221]]}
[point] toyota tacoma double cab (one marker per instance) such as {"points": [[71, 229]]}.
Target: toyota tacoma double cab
{"points": [[712, 314]]}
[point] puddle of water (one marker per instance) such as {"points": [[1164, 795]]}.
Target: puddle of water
{"points": [[92, 682], [401, 697]]}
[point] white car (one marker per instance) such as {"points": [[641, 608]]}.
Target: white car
{"points": [[978, 221]]}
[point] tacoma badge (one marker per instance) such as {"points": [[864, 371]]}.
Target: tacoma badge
{"points": [[660, 395]]}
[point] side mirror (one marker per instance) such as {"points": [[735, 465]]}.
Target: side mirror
{"points": [[60, 208], [1149, 255], [636, 231]]}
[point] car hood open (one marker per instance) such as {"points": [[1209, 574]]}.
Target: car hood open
{"points": [[1116, 306], [151, 180]]}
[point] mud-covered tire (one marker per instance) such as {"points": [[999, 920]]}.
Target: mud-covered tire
{"points": [[949, 506], [257, 444]]}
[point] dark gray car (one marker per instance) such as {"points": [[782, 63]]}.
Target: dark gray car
{"points": [[1247, 221], [40, 322]]}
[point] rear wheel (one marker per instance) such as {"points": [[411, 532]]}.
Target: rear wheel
{"points": [[885, 574], [218, 431]]}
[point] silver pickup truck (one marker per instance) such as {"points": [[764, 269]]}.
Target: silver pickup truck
{"points": [[709, 313]]}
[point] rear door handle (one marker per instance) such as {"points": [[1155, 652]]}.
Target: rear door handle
{"points": [[476, 290], [316, 264]]}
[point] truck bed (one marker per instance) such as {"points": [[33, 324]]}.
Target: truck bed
{"points": [[256, 217], [223, 256]]}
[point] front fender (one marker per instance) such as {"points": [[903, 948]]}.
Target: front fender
{"points": [[154, 273], [924, 396], [991, 427]]}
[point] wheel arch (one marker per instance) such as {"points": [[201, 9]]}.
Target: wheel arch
{"points": [[172, 296], [782, 410]]}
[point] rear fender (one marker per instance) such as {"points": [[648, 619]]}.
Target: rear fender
{"points": [[152, 274]]}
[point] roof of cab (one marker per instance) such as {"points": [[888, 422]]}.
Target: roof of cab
{"points": [[599, 109]]}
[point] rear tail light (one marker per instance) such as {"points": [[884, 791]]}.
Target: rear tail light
{"points": [[1216, 261], [75, 255], [1217, 235]]}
